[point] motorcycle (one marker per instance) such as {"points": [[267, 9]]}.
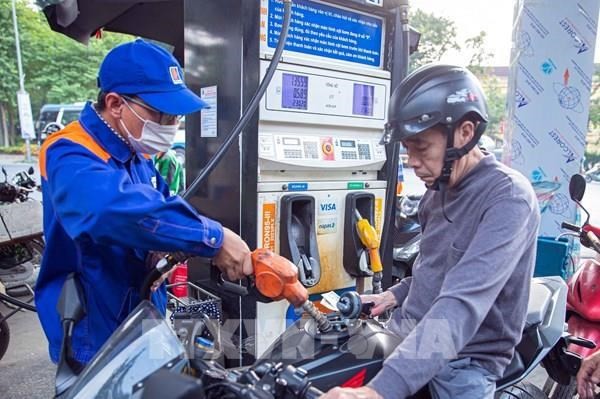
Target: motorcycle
{"points": [[21, 246], [593, 173], [21, 233], [144, 358], [407, 236], [583, 302], [49, 129]]}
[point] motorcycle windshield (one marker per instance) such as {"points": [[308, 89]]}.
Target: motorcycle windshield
{"points": [[143, 344]]}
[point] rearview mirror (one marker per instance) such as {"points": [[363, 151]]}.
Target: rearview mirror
{"points": [[30, 171], [70, 304], [577, 187], [71, 309]]}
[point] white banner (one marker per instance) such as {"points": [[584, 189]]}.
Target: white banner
{"points": [[552, 65], [25, 116]]}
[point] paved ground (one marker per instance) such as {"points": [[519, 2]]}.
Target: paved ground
{"points": [[25, 370]]}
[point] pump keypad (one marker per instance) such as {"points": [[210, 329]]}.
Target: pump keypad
{"points": [[349, 155], [364, 151], [311, 150], [294, 154], [321, 148]]}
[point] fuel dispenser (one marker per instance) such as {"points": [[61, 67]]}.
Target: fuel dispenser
{"points": [[310, 160]]}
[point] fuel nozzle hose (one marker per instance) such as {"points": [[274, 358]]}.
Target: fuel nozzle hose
{"points": [[277, 278], [323, 323], [370, 239]]}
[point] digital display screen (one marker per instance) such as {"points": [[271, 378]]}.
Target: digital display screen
{"points": [[290, 141], [363, 99], [328, 31], [347, 143], [294, 93]]}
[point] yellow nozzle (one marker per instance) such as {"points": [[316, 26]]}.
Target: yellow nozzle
{"points": [[369, 238]]}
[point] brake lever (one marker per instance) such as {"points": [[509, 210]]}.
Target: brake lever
{"points": [[366, 308], [232, 287], [579, 341]]}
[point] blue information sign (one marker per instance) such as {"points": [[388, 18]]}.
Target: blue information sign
{"points": [[297, 186], [327, 31]]}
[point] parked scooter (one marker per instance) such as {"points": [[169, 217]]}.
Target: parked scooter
{"points": [[21, 246], [593, 173], [49, 129], [21, 233], [407, 236], [583, 298], [16, 305], [144, 358]]}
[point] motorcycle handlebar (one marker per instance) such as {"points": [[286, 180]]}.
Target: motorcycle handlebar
{"points": [[313, 393], [569, 226], [593, 240], [593, 229]]}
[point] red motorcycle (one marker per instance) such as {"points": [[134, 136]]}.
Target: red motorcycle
{"points": [[583, 296]]}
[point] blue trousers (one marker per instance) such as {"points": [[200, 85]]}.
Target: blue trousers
{"points": [[462, 379]]}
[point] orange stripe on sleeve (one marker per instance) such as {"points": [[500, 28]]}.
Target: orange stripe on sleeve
{"points": [[75, 133]]}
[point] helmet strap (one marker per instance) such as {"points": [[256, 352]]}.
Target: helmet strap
{"points": [[453, 154]]}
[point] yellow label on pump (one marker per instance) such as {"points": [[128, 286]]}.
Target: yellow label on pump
{"points": [[378, 215], [268, 226]]}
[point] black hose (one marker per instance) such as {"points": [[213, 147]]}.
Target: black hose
{"points": [[401, 53], [145, 291], [18, 303], [249, 112], [237, 129]]}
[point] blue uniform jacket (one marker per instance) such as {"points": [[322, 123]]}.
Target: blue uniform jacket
{"points": [[105, 207]]}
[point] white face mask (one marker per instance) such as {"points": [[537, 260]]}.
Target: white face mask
{"points": [[154, 138]]}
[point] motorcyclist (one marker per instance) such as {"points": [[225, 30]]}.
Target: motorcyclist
{"points": [[462, 312]]}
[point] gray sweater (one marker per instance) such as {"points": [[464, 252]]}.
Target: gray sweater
{"points": [[470, 287]]}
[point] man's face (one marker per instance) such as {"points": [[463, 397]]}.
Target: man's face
{"points": [[136, 111], [426, 154]]}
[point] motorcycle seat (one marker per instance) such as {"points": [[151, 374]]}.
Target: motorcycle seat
{"points": [[540, 297]]}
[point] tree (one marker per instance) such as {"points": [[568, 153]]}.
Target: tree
{"points": [[494, 90], [479, 55], [594, 119], [438, 36], [57, 69]]}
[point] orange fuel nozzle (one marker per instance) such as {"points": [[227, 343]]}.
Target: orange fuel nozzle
{"points": [[277, 278]]}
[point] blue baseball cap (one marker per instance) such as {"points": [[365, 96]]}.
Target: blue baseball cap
{"points": [[150, 72]]}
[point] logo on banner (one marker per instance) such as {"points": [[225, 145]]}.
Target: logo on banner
{"points": [[579, 43], [537, 175], [562, 143], [521, 99], [548, 67]]}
